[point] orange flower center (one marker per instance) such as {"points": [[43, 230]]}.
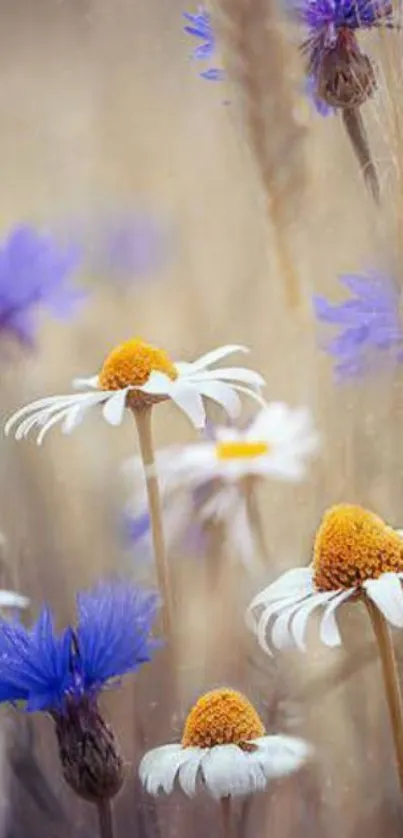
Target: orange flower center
{"points": [[237, 450], [352, 545], [222, 717], [131, 363]]}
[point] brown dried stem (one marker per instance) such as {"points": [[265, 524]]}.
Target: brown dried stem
{"points": [[357, 134]]}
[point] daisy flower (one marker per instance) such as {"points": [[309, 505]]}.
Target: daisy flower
{"points": [[35, 274], [218, 473], [370, 330], [63, 675], [136, 374], [199, 26], [224, 749], [355, 556]]}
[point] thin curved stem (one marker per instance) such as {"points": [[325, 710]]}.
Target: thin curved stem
{"points": [[143, 423], [391, 681], [354, 125], [105, 820]]}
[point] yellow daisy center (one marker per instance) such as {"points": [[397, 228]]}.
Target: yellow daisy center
{"points": [[234, 450], [352, 545], [132, 363], [222, 717]]}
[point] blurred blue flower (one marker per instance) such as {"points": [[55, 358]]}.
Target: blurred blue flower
{"points": [[46, 670], [200, 26], [370, 329], [34, 272]]}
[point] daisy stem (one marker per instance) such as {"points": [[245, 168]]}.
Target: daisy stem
{"points": [[255, 517], [143, 422], [226, 817], [105, 819], [390, 677]]}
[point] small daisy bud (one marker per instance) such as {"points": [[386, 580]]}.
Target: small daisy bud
{"points": [[90, 757]]}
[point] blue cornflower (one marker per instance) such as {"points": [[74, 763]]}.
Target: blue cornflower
{"points": [[369, 323], [341, 75], [55, 672], [200, 26], [34, 272]]}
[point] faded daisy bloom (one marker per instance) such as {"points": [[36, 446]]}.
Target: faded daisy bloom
{"points": [[356, 555], [136, 375], [224, 749], [219, 473]]}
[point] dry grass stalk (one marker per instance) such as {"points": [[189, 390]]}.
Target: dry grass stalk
{"points": [[261, 65]]}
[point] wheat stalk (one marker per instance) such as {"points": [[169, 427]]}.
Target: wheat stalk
{"points": [[260, 64]]}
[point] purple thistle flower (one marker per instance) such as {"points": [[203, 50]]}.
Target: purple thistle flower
{"points": [[34, 273], [369, 323], [51, 672], [200, 26]]}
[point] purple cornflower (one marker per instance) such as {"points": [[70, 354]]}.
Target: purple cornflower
{"points": [[200, 26], [50, 671], [340, 75], [34, 272], [369, 323]]}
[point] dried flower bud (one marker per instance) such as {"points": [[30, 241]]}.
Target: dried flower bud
{"points": [[90, 757], [346, 78]]}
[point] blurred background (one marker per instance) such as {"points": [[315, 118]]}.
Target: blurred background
{"points": [[105, 122]]}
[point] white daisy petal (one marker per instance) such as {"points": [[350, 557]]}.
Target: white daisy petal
{"points": [[386, 592], [83, 383], [57, 417], [329, 630], [295, 582], [10, 599], [157, 384], [49, 402], [159, 767], [224, 395], [225, 771], [253, 394], [275, 609], [282, 755], [241, 374], [190, 401], [282, 635], [300, 620], [188, 772], [114, 407], [212, 357]]}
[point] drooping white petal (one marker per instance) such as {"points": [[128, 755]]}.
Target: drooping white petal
{"points": [[241, 374], [253, 394], [157, 384], [282, 636], [274, 609], [298, 581], [54, 419], [190, 401], [10, 599], [300, 620], [159, 767], [50, 402], [225, 771], [223, 394], [329, 630], [114, 407], [83, 383], [211, 357], [188, 772], [281, 755], [386, 592]]}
